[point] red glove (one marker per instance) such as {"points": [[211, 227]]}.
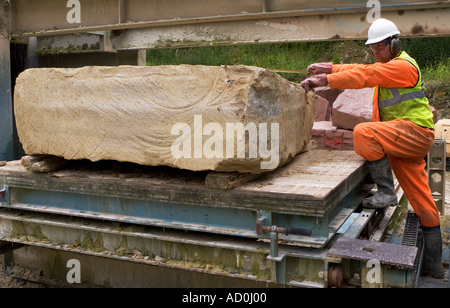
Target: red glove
{"points": [[320, 68], [314, 82]]}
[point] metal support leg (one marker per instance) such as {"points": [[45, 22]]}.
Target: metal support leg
{"points": [[436, 173], [274, 244], [6, 112], [278, 265]]}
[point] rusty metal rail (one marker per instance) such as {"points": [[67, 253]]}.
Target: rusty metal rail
{"points": [[155, 24]]}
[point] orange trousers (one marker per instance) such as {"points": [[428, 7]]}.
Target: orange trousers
{"points": [[406, 145]]}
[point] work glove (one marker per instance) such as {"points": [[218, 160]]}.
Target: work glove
{"points": [[320, 68], [314, 82]]}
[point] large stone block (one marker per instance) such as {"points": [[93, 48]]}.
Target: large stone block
{"points": [[235, 118]]}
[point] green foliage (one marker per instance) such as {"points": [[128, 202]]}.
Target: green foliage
{"points": [[286, 56], [428, 52], [432, 54], [439, 72], [290, 56], [437, 87]]}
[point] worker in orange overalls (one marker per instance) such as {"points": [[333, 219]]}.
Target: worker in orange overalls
{"points": [[401, 134]]}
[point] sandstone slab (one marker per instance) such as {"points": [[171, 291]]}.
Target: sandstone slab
{"points": [[234, 118]]}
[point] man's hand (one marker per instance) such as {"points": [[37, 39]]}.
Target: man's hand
{"points": [[314, 82], [320, 68]]}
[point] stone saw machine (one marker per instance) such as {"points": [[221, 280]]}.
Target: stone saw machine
{"points": [[129, 170]]}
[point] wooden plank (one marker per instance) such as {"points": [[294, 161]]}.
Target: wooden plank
{"points": [[228, 180], [231, 180]]}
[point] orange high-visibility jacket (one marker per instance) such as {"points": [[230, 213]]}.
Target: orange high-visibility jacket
{"points": [[397, 73], [406, 150]]}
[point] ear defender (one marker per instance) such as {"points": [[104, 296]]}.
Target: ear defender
{"points": [[395, 46]]}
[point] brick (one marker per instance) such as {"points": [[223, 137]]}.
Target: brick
{"points": [[330, 137]]}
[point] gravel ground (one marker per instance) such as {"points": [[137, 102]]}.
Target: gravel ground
{"points": [[9, 278]]}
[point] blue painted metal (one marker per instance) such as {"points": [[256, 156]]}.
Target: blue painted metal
{"points": [[348, 223], [151, 212], [6, 109], [196, 217]]}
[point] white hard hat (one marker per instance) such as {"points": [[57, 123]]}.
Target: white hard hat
{"points": [[380, 30]]}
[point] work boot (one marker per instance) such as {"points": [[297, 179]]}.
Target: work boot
{"points": [[432, 255], [381, 173]]}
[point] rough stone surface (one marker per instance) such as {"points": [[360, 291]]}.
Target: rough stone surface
{"points": [[353, 107], [168, 115], [328, 94]]}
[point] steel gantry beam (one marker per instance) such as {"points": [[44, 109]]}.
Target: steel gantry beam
{"points": [[175, 23]]}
